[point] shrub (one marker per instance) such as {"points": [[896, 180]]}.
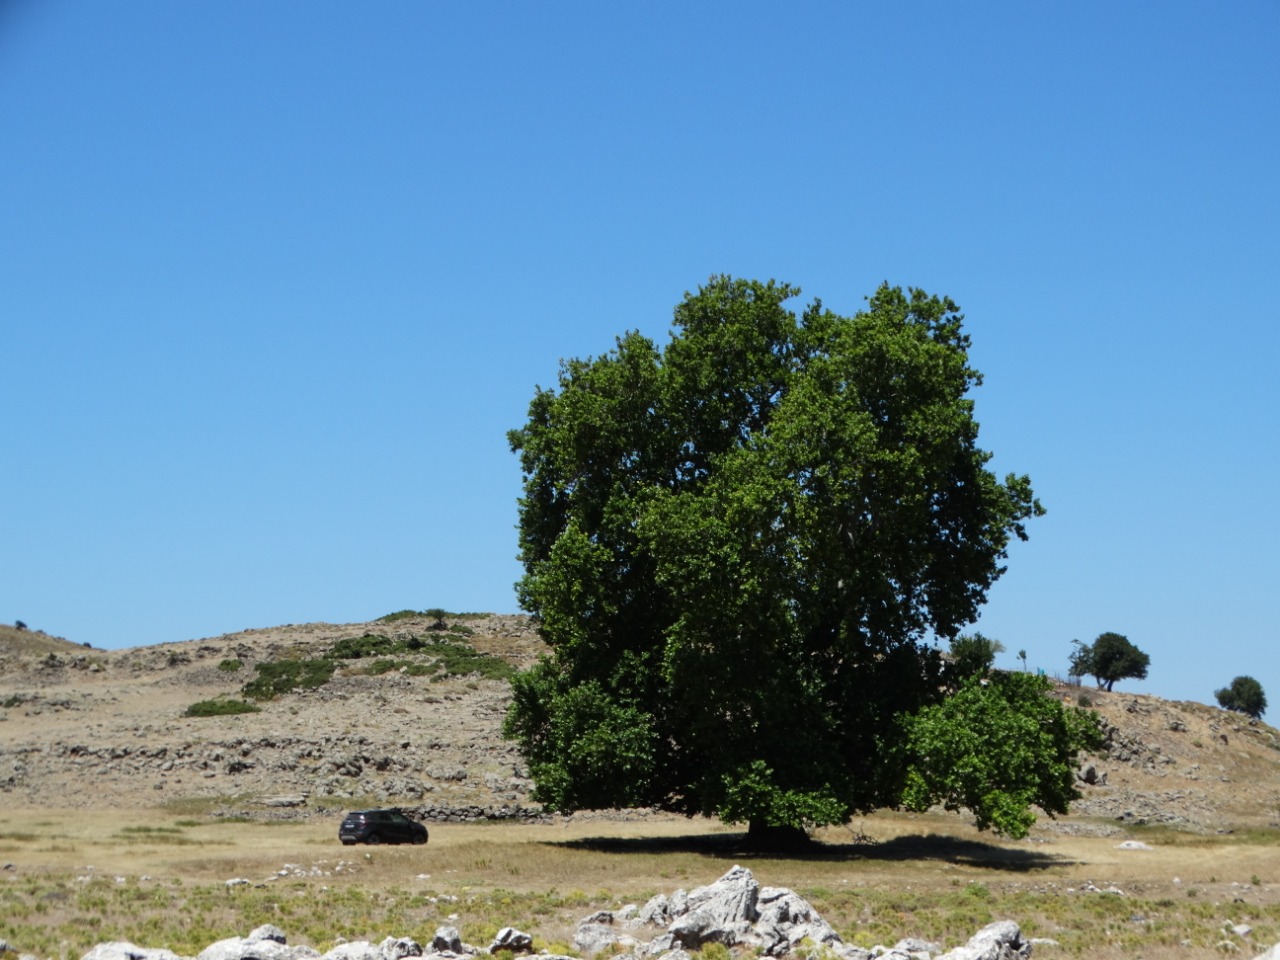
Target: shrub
{"points": [[230, 666], [437, 614], [409, 667], [369, 645], [283, 676], [460, 660], [220, 708]]}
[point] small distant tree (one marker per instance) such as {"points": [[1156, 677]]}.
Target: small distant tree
{"points": [[19, 625], [1110, 658], [1080, 664], [1244, 696], [972, 654]]}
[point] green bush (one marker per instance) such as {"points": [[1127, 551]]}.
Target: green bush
{"points": [[373, 645], [448, 656], [399, 615], [438, 615], [283, 676], [356, 648], [230, 666], [220, 708], [413, 668], [460, 660]]}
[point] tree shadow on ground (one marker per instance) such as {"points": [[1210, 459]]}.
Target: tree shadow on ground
{"points": [[935, 847]]}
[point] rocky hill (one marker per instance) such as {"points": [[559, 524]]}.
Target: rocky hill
{"points": [[408, 710]]}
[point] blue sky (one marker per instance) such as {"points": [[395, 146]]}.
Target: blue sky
{"points": [[276, 279]]}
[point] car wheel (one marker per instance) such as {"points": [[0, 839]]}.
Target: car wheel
{"points": [[420, 839], [374, 839]]}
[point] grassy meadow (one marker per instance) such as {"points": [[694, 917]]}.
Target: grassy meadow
{"points": [[72, 879]]}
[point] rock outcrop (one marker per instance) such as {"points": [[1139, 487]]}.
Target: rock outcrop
{"points": [[735, 912]]}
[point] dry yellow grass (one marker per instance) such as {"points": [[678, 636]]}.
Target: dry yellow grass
{"points": [[144, 857], [77, 878]]}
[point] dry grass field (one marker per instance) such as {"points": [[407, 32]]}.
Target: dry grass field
{"points": [[76, 878], [121, 818]]}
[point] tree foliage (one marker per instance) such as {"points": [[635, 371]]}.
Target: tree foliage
{"points": [[996, 747], [973, 654], [740, 549], [1110, 658], [1245, 696]]}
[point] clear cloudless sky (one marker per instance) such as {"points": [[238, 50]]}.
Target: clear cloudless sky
{"points": [[276, 279]]}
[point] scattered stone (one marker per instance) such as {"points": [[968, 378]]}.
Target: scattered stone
{"points": [[248, 948], [447, 940], [734, 911], [1133, 845], [773, 922], [354, 950], [393, 948], [913, 948], [123, 950], [509, 938], [1092, 776], [1001, 940], [267, 931]]}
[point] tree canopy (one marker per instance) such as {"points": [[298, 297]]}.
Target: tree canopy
{"points": [[742, 549], [973, 654], [1245, 695], [1110, 658]]}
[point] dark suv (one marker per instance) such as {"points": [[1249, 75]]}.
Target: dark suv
{"points": [[380, 826]]}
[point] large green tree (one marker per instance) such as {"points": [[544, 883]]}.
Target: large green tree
{"points": [[742, 549]]}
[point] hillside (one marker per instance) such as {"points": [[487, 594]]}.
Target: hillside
{"points": [[89, 728]]}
